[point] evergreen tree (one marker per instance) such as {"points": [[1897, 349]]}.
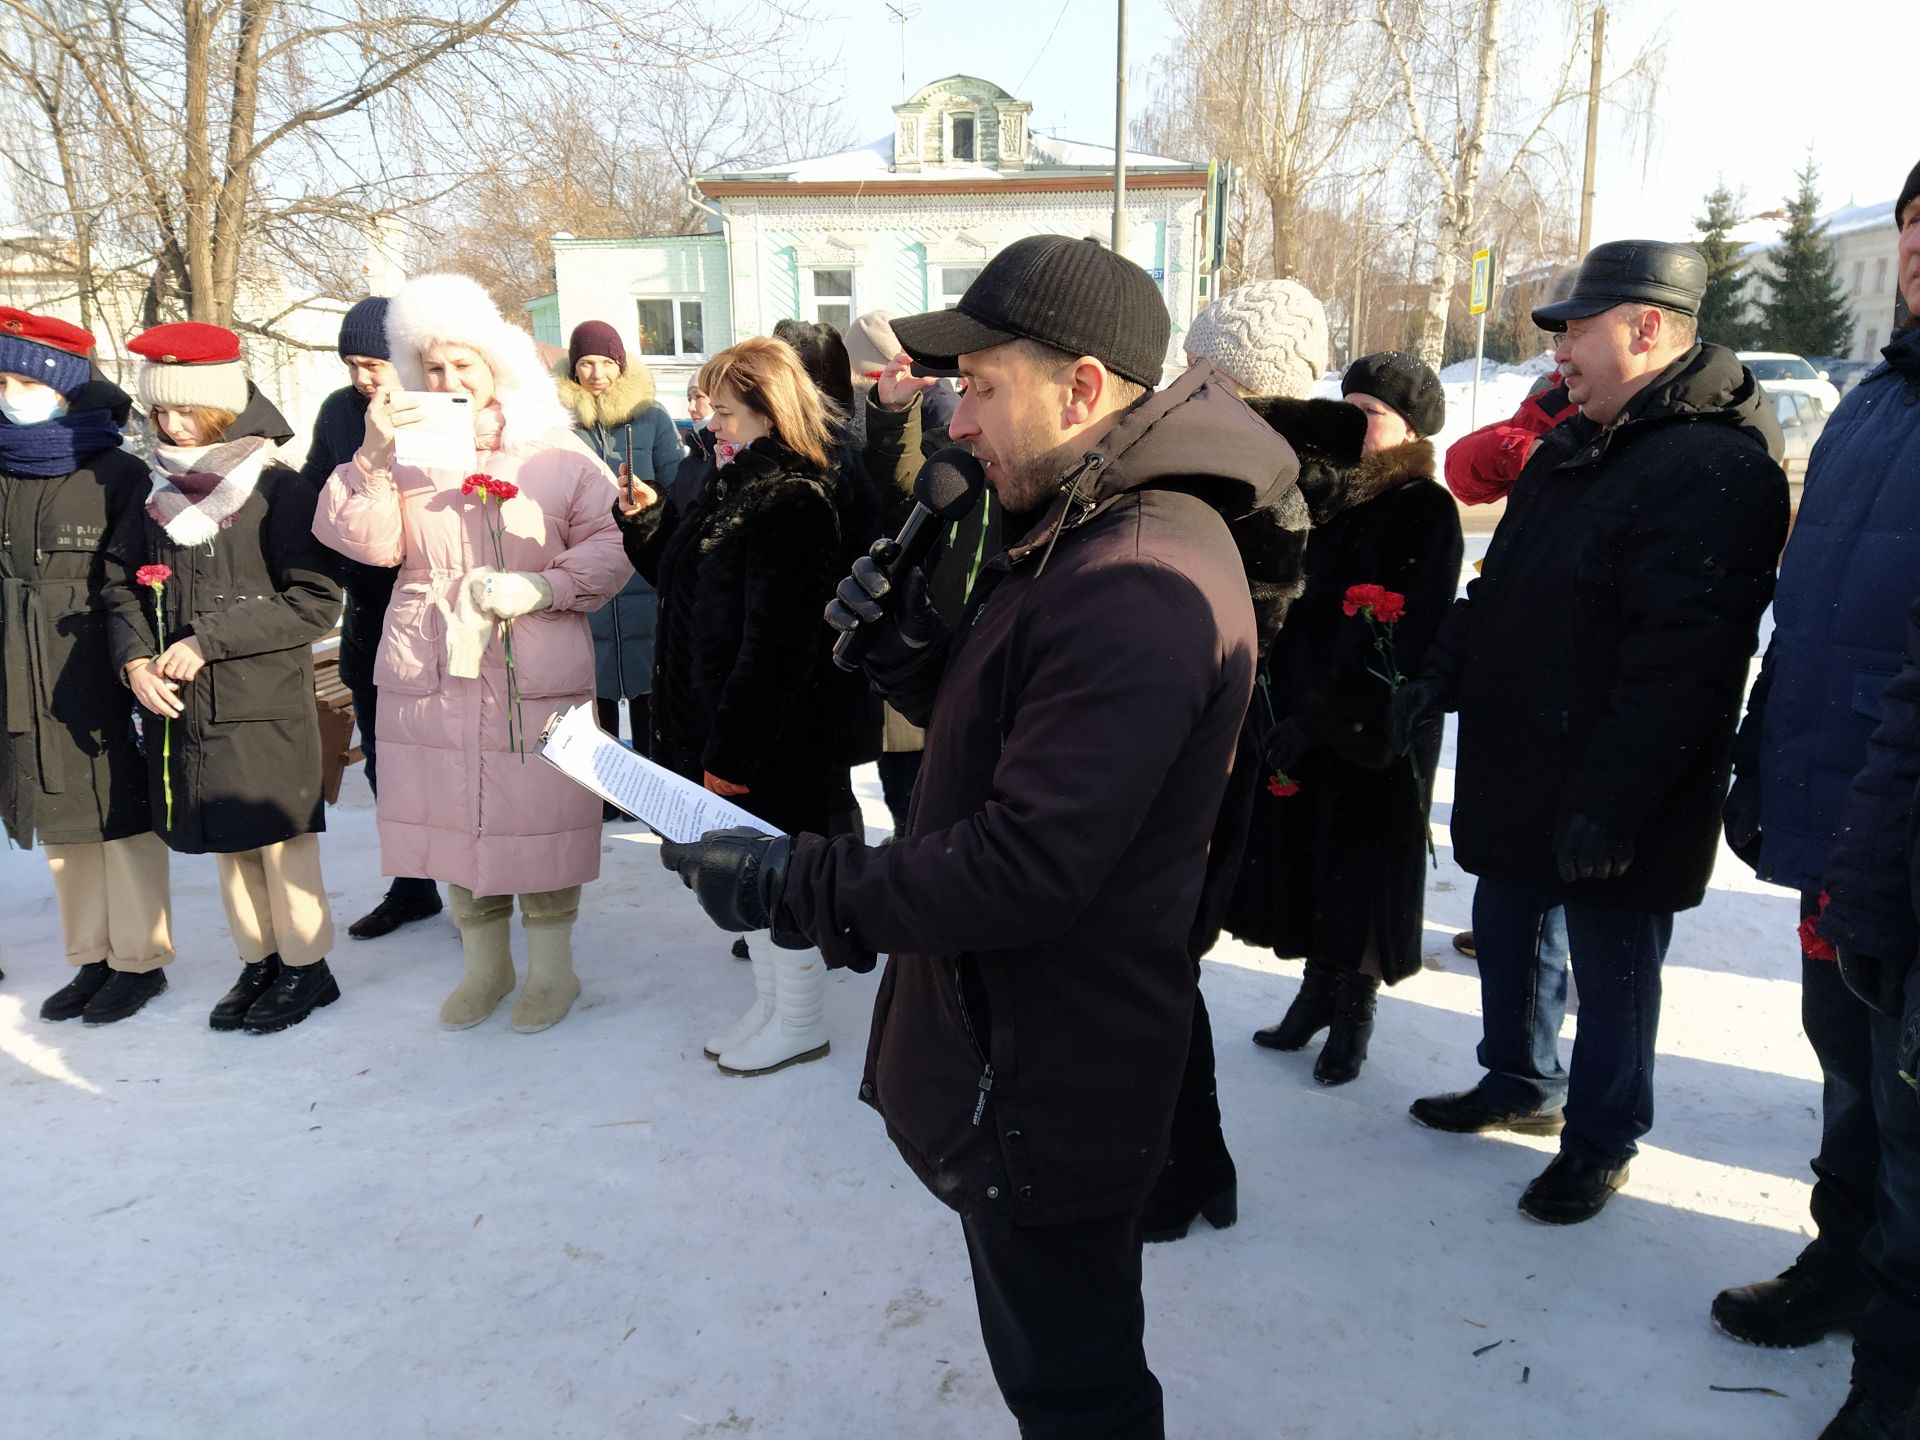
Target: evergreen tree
{"points": [[1807, 311], [1725, 312]]}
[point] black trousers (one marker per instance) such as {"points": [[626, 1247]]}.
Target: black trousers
{"points": [[1063, 1322], [359, 641], [1846, 1171]]}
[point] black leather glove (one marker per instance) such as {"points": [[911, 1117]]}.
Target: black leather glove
{"points": [[1283, 745], [739, 877], [1741, 818], [1414, 703], [1588, 850], [1873, 980], [900, 620]]}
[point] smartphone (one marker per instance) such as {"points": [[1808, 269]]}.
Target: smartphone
{"points": [[929, 372], [442, 437]]}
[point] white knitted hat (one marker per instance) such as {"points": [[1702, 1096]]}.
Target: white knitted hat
{"points": [[454, 310], [1270, 337]]}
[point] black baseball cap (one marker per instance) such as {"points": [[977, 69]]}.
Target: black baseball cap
{"points": [[1623, 272], [1075, 295]]}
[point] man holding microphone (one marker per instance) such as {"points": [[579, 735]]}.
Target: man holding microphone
{"points": [[1031, 1028]]}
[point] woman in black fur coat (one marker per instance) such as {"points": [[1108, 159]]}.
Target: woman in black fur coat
{"points": [[743, 696], [1336, 872]]}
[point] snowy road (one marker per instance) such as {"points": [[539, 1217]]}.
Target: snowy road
{"points": [[365, 1227]]}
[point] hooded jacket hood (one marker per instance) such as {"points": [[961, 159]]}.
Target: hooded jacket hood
{"points": [[259, 417], [631, 393]]}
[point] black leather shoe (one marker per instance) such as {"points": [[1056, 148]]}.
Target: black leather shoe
{"points": [[1463, 942], [70, 999], [231, 1012], [1867, 1417], [123, 995], [740, 951], [1570, 1190], [1309, 1014], [1468, 1112], [297, 993], [1803, 1303], [393, 912], [1346, 1048]]}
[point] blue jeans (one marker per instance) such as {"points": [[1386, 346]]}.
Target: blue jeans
{"points": [[1526, 941]]}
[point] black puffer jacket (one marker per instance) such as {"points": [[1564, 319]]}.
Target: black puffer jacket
{"points": [[246, 750], [1339, 869], [742, 685], [70, 767], [1599, 659], [1032, 1025]]}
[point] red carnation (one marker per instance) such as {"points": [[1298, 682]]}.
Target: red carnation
{"points": [[1281, 786], [154, 575], [1812, 944], [502, 490], [473, 483], [1376, 601]]}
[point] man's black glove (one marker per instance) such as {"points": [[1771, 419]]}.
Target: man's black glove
{"points": [[1588, 850], [1283, 745], [1414, 703], [900, 620], [1741, 818], [1873, 980], [738, 876]]}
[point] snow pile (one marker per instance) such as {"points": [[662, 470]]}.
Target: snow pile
{"points": [[369, 1227]]}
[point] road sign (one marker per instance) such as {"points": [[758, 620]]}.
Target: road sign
{"points": [[1482, 290]]}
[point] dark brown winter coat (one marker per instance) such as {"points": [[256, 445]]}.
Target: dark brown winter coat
{"points": [[1338, 871], [70, 766], [1032, 1024], [246, 749]]}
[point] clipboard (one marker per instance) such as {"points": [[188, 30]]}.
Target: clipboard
{"points": [[676, 808]]}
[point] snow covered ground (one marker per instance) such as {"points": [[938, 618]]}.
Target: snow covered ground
{"points": [[366, 1227]]}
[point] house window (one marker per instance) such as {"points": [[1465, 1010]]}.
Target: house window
{"points": [[960, 138], [954, 280], [1880, 275], [832, 298], [1859, 276], [671, 328]]}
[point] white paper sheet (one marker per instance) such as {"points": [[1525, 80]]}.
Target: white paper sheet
{"points": [[575, 745]]}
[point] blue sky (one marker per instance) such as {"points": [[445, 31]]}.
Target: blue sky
{"points": [[1750, 86]]}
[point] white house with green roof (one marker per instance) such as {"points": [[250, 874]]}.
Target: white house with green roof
{"points": [[901, 225]]}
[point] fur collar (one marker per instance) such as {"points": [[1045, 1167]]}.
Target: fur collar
{"points": [[1328, 435], [754, 479], [624, 401]]}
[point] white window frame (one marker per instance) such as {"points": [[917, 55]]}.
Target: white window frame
{"points": [[677, 300], [812, 300], [946, 149], [943, 298]]}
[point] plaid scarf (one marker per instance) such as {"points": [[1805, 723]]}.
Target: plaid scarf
{"points": [[199, 489]]}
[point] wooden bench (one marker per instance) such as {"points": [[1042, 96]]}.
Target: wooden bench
{"points": [[333, 703]]}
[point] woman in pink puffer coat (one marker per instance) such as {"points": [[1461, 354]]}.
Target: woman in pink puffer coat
{"points": [[458, 800]]}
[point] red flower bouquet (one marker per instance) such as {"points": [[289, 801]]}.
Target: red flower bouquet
{"points": [[494, 493], [1382, 609]]}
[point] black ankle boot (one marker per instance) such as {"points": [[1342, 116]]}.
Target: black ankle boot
{"points": [[1809, 1300], [1346, 1047], [123, 995], [255, 978], [297, 993], [1310, 1013], [70, 999]]}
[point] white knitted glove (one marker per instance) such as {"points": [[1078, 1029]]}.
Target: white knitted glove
{"points": [[468, 632], [509, 593]]}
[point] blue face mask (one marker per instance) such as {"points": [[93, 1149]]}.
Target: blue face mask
{"points": [[33, 406]]}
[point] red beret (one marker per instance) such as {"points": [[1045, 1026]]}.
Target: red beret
{"points": [[45, 330], [188, 342]]}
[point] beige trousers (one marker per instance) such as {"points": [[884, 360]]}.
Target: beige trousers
{"points": [[114, 902], [276, 902]]}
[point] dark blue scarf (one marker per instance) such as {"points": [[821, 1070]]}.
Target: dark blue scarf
{"points": [[58, 446]]}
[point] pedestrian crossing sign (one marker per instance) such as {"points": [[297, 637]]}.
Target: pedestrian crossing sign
{"points": [[1482, 288]]}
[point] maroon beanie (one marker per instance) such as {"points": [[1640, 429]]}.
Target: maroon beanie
{"points": [[595, 337]]}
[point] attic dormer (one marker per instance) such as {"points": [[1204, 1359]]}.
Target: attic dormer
{"points": [[960, 122]]}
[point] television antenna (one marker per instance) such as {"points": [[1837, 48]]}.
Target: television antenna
{"points": [[902, 13]]}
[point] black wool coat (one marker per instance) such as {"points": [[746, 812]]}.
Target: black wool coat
{"points": [[1031, 1029], [71, 772], [1598, 662], [246, 749], [742, 678], [337, 432], [1338, 871]]}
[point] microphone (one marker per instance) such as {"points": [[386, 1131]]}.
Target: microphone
{"points": [[946, 489]]}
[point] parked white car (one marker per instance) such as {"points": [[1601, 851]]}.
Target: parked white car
{"points": [[1791, 374], [1802, 420]]}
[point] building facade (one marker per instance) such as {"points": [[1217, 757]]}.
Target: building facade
{"points": [[902, 225]]}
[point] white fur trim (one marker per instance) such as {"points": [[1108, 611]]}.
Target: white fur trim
{"points": [[454, 310]]}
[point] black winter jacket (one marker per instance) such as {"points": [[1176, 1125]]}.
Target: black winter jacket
{"points": [[1339, 869], [70, 766], [742, 685], [337, 432], [246, 749], [1599, 659], [1031, 1028]]}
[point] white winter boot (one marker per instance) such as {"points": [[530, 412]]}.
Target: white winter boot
{"points": [[552, 987], [761, 1011], [797, 1032], [486, 942]]}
